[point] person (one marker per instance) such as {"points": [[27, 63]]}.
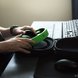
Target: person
{"points": [[12, 42]]}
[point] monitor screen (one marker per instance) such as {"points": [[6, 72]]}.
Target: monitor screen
{"points": [[75, 9]]}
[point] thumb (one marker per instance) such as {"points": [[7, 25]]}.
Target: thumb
{"points": [[20, 32], [18, 36]]}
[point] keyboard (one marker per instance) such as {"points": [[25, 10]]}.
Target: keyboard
{"points": [[58, 29], [70, 29]]}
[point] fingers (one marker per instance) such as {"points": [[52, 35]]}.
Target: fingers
{"points": [[24, 44], [25, 40], [25, 47], [22, 30], [24, 50], [28, 28]]}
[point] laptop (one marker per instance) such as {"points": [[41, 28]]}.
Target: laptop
{"points": [[58, 29]]}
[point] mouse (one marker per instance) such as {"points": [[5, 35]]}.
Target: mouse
{"points": [[66, 65]]}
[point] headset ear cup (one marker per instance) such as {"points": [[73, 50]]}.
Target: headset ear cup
{"points": [[47, 47], [42, 33], [30, 33]]}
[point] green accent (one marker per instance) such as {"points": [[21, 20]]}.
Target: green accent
{"points": [[25, 36], [41, 36]]}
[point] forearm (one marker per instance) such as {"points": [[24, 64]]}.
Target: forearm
{"points": [[2, 47]]}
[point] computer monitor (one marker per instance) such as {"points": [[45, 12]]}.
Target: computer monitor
{"points": [[75, 9]]}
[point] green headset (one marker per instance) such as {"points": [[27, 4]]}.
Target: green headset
{"points": [[41, 34]]}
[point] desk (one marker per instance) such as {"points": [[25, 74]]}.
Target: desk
{"points": [[22, 67], [35, 66]]}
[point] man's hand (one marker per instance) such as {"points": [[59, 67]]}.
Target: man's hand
{"points": [[16, 44], [22, 29]]}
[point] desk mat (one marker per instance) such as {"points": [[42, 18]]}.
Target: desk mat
{"points": [[45, 69]]}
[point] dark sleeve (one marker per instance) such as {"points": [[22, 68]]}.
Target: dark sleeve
{"points": [[1, 37]]}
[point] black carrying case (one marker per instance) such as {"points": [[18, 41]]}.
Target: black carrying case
{"points": [[45, 47], [67, 47]]}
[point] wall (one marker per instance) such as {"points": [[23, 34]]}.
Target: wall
{"points": [[23, 12]]}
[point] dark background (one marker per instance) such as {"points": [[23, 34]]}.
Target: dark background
{"points": [[74, 9]]}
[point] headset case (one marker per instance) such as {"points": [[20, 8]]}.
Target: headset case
{"points": [[67, 47]]}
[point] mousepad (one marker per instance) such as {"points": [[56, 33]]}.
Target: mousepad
{"points": [[45, 69]]}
